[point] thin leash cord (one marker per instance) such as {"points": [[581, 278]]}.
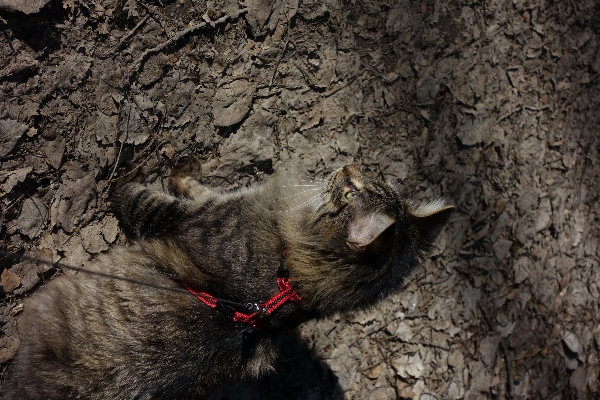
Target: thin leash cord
{"points": [[63, 266]]}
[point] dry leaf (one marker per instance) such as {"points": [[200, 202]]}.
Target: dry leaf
{"points": [[9, 179], [10, 280], [233, 102], [10, 131], [25, 6], [55, 150]]}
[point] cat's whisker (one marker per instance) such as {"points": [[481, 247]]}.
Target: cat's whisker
{"points": [[312, 180], [284, 186], [317, 208], [298, 194], [302, 205], [307, 202]]}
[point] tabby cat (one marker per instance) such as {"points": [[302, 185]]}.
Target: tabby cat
{"points": [[231, 272]]}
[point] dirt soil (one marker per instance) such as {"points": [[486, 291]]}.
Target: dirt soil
{"points": [[493, 105]]}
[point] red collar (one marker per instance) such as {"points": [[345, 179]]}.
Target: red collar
{"points": [[258, 310]]}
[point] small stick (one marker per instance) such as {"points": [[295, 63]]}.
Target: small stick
{"points": [[122, 143], [278, 61], [124, 39], [342, 86], [503, 117], [573, 96], [533, 353], [12, 203], [226, 178], [508, 361], [155, 50], [546, 107]]}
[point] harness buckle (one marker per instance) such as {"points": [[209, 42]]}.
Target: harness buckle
{"points": [[262, 311], [257, 308]]}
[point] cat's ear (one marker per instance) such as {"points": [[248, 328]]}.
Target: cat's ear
{"points": [[364, 230], [427, 220]]}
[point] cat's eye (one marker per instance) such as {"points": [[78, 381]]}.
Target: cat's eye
{"points": [[351, 194]]}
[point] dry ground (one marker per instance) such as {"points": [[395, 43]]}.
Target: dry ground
{"points": [[493, 105]]}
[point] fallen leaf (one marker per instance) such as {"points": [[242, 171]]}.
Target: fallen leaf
{"points": [[10, 280], [10, 132], [8, 347], [71, 201], [11, 178], [55, 150], [92, 239], [110, 229], [31, 218], [375, 372], [232, 102], [569, 339], [25, 6]]}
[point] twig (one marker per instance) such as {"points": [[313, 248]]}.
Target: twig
{"points": [[44, 215], [124, 39], [220, 177], [509, 370], [279, 58], [348, 82], [152, 14], [412, 343], [584, 169], [542, 108], [236, 78], [307, 77], [68, 238], [12, 203], [503, 117], [155, 50], [409, 316], [439, 282], [533, 353], [122, 143], [508, 361], [570, 99], [19, 114]]}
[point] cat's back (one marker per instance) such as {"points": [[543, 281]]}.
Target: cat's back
{"points": [[88, 323]]}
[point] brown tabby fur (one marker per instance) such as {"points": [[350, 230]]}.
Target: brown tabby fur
{"points": [[350, 242]]}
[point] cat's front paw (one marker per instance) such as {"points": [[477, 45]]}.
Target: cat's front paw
{"points": [[130, 173], [185, 177], [187, 166]]}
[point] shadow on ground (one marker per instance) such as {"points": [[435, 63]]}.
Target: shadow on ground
{"points": [[298, 373]]}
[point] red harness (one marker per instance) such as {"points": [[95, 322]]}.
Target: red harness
{"points": [[260, 310]]}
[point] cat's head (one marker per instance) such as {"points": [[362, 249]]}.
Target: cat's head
{"points": [[358, 239]]}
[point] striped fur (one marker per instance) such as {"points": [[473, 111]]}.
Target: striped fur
{"points": [[350, 241]]}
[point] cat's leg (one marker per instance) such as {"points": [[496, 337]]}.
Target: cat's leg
{"points": [[145, 212], [184, 180]]}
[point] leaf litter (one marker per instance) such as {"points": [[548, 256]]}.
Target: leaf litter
{"points": [[492, 107]]}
